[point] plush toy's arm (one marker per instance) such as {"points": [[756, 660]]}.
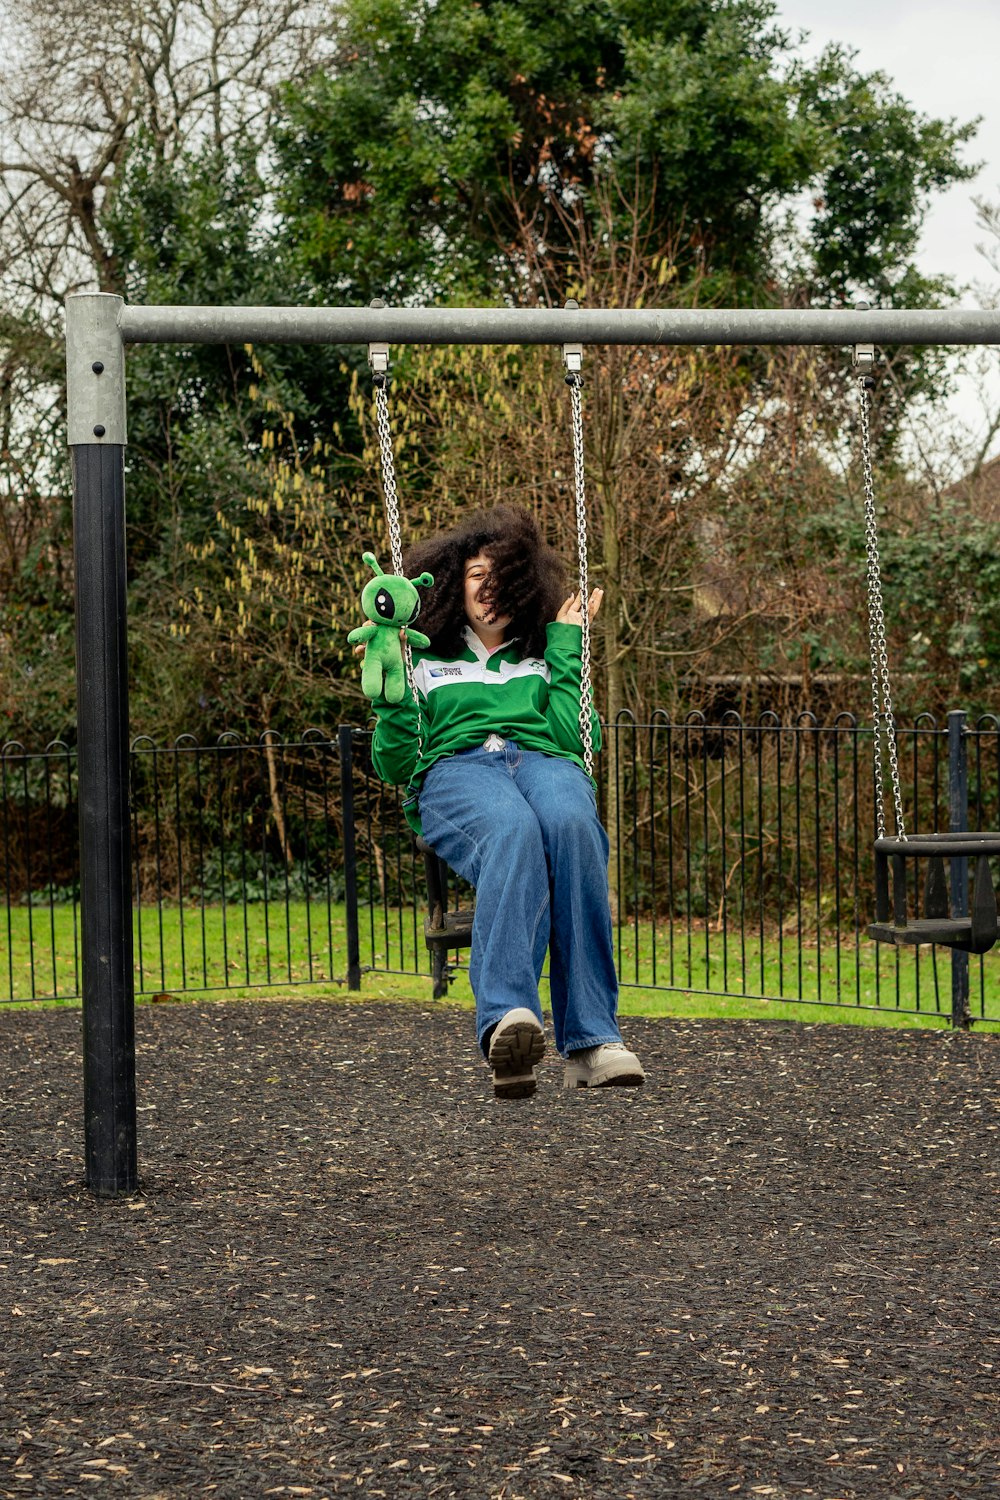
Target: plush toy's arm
{"points": [[363, 633], [417, 637]]}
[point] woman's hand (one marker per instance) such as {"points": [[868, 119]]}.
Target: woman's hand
{"points": [[571, 613], [363, 647]]}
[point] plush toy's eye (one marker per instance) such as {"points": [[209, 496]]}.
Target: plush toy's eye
{"points": [[415, 610], [384, 605]]}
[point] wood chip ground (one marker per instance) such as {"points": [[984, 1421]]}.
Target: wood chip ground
{"points": [[771, 1272]]}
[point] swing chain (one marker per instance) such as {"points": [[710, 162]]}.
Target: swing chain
{"points": [[388, 462], [573, 359], [378, 359], [882, 712]]}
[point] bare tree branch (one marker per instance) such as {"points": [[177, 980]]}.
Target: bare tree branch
{"points": [[77, 84]]}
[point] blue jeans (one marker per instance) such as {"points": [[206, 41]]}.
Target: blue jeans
{"points": [[523, 828]]}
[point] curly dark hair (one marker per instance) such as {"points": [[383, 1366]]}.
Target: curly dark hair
{"points": [[527, 579]]}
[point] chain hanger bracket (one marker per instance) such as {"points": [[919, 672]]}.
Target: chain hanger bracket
{"points": [[863, 356], [378, 363], [378, 354], [573, 353], [863, 364]]}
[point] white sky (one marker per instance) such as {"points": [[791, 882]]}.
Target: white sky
{"points": [[943, 56]]}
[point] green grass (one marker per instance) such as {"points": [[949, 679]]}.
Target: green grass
{"points": [[252, 952]]}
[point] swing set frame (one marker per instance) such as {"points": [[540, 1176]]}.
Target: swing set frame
{"points": [[99, 326]]}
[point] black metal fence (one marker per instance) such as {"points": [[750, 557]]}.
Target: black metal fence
{"points": [[237, 866], [741, 862]]}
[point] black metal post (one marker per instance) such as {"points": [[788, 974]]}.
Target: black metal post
{"points": [[345, 742], [958, 822], [105, 844]]}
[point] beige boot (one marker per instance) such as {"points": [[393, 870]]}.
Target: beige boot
{"points": [[516, 1046], [601, 1067]]}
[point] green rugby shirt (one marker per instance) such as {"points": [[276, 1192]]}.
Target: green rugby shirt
{"points": [[464, 699]]}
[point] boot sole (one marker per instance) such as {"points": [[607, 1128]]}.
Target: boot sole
{"points": [[514, 1055], [627, 1079]]}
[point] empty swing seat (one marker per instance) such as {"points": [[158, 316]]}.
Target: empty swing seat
{"points": [[976, 932], [444, 930]]}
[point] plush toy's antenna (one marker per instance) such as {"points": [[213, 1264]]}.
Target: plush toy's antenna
{"points": [[369, 558]]}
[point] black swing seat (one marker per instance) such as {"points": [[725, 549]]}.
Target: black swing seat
{"points": [[976, 932], [444, 930]]}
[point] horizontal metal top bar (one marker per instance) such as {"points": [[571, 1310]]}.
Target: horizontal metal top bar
{"points": [[503, 325]]}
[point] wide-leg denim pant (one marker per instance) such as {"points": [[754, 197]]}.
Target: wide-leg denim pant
{"points": [[523, 828]]}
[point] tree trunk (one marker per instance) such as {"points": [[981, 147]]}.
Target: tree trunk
{"points": [[274, 788]]}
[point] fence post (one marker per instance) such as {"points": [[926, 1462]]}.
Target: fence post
{"points": [[958, 822], [346, 744]]}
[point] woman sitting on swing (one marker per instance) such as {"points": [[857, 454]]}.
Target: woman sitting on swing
{"points": [[494, 766]]}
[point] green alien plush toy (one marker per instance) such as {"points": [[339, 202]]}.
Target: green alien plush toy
{"points": [[390, 603]]}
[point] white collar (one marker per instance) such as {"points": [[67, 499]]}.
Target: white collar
{"points": [[479, 647]]}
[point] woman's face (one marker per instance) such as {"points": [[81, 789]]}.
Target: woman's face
{"points": [[479, 616]]}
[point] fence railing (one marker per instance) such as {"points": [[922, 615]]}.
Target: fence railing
{"points": [[237, 866], [741, 862]]}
